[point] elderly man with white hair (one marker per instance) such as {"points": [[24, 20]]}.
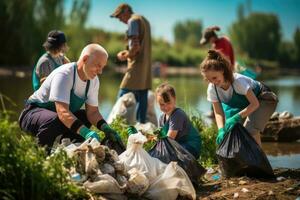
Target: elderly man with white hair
{"points": [[54, 109]]}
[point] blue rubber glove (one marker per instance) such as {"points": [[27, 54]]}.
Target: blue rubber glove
{"points": [[221, 135], [110, 133], [230, 122], [131, 130], [87, 133]]}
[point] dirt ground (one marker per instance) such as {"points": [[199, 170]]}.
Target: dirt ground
{"points": [[286, 187]]}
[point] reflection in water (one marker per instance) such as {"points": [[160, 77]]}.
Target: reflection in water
{"points": [[292, 161], [279, 149], [191, 96], [283, 154]]}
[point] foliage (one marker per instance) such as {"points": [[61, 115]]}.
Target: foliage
{"points": [[208, 137], [188, 32], [257, 34], [26, 173], [297, 43]]}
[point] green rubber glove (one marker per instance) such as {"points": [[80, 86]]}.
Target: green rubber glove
{"points": [[162, 133], [230, 122], [110, 133], [87, 133], [131, 130], [221, 135]]}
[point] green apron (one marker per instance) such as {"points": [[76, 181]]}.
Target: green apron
{"points": [[237, 102], [36, 79], [75, 101], [191, 141]]}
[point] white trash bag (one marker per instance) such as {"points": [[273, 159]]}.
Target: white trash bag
{"points": [[136, 157], [166, 181], [173, 182], [125, 107], [151, 114], [104, 184]]}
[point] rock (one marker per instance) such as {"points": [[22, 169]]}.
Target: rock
{"points": [[242, 182], [245, 190], [235, 195], [282, 130], [286, 115]]}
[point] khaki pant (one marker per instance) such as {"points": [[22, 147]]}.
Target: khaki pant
{"points": [[256, 122]]}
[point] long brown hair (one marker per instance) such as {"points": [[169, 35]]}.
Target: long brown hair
{"points": [[216, 61]]}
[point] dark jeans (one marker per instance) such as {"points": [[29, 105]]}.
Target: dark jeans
{"points": [[141, 97], [46, 126]]}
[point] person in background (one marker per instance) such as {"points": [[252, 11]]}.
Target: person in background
{"points": [[221, 44], [54, 109], [236, 97], [55, 46], [174, 122], [138, 77]]}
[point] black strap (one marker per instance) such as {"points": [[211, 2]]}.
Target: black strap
{"points": [[76, 125], [100, 123]]}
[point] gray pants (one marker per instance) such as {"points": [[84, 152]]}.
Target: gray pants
{"points": [[256, 122]]}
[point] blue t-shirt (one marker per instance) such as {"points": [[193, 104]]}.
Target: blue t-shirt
{"points": [[133, 30], [178, 121]]}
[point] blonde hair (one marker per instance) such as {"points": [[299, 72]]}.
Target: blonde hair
{"points": [[165, 90], [216, 61]]}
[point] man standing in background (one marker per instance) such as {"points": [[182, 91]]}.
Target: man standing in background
{"points": [[138, 77]]}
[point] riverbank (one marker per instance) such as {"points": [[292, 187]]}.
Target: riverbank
{"points": [[285, 187]]}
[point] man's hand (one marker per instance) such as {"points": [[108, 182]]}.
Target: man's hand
{"points": [[111, 133], [87, 133], [123, 55]]}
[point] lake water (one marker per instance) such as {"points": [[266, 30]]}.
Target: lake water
{"points": [[191, 96]]}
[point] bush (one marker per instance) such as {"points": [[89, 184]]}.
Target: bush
{"points": [[208, 136], [26, 173]]}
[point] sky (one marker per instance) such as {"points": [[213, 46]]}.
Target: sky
{"points": [[163, 14]]}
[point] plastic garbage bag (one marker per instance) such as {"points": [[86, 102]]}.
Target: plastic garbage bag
{"points": [[125, 107], [151, 114], [118, 146], [103, 184], [238, 155], [137, 183], [136, 157], [167, 150], [172, 183]]}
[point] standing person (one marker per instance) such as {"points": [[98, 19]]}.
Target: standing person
{"points": [[236, 97], [55, 46], [221, 44], [53, 110], [175, 123], [138, 77]]}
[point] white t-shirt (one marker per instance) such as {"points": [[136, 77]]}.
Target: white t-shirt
{"points": [[241, 86], [58, 85]]}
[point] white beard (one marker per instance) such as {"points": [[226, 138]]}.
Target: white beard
{"points": [[85, 72]]}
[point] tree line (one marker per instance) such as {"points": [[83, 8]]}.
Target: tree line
{"points": [[25, 24]]}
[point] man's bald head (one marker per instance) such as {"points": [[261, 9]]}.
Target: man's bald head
{"points": [[94, 50]]}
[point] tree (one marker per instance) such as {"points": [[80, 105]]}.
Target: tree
{"points": [[188, 32], [26, 24], [258, 35], [297, 44]]}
